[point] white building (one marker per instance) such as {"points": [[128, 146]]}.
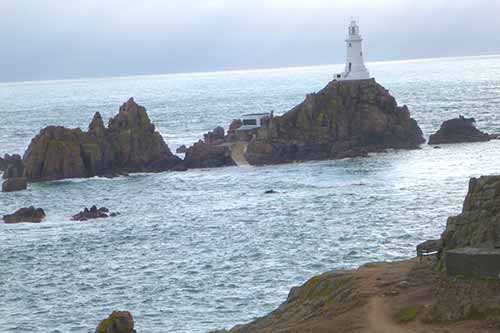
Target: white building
{"points": [[354, 66], [252, 120]]}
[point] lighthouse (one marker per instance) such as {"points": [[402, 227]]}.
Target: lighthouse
{"points": [[354, 66]]}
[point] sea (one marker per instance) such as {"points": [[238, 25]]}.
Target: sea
{"points": [[207, 249]]}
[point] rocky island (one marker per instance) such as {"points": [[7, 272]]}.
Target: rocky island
{"points": [[344, 119], [130, 143], [458, 130]]}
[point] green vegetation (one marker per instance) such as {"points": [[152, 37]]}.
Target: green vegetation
{"points": [[406, 315]]}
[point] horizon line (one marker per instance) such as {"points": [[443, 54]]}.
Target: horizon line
{"points": [[238, 71]]}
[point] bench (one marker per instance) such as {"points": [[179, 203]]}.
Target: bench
{"points": [[429, 248]]}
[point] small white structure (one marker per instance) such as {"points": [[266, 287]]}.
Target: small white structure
{"points": [[252, 120], [354, 66]]}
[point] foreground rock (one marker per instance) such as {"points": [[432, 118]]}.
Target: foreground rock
{"points": [[27, 214], [93, 213], [478, 224], [130, 143], [404, 296], [458, 130], [434, 294], [14, 184], [344, 119], [117, 322]]}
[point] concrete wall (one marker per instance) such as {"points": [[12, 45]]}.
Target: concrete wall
{"points": [[473, 262]]}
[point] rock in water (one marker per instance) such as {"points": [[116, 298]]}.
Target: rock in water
{"points": [[344, 119], [26, 214], [92, 213], [203, 155], [117, 322], [214, 137], [12, 165], [14, 184], [129, 144], [458, 130], [181, 150]]}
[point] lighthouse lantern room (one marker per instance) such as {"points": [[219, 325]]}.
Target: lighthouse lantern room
{"points": [[354, 67]]}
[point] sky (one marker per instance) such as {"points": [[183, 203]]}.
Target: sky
{"points": [[57, 39]]}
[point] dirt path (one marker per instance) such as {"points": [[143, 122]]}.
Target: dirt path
{"points": [[378, 317], [238, 153]]}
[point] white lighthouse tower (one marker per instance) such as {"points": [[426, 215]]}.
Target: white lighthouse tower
{"points": [[354, 66]]}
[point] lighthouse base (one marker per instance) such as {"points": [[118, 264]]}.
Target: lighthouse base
{"points": [[358, 75]]}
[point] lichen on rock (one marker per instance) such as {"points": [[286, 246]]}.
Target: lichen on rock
{"points": [[344, 119], [129, 144]]}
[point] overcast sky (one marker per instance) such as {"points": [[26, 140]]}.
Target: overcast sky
{"points": [[51, 39]]}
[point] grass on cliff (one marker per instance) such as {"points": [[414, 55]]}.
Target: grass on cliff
{"points": [[406, 315]]}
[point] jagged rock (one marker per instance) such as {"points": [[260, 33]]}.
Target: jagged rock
{"points": [[92, 213], [26, 214], [12, 165], [129, 144], [479, 223], [117, 322], [181, 150], [344, 119], [14, 184], [214, 137], [231, 132], [458, 130], [203, 155]]}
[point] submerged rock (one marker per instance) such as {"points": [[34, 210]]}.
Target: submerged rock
{"points": [[344, 119], [129, 144], [458, 130], [92, 213], [271, 192], [14, 184], [26, 214], [117, 322]]}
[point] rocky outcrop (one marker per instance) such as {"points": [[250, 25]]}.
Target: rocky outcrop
{"points": [[181, 150], [214, 137], [14, 184], [231, 132], [458, 130], [400, 296], [479, 223], [203, 155], [212, 152], [92, 213], [12, 165], [117, 322], [344, 119], [130, 143], [26, 214]]}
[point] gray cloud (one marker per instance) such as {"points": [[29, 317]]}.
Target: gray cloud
{"points": [[81, 38]]}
